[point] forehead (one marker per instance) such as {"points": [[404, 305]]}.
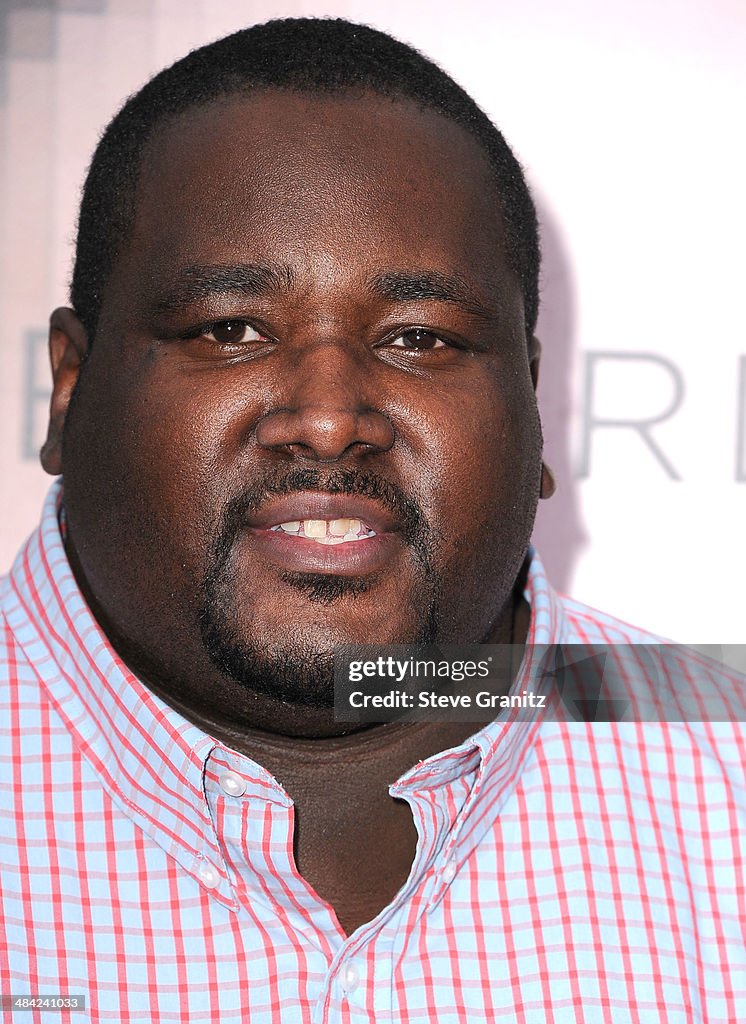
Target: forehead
{"points": [[360, 180]]}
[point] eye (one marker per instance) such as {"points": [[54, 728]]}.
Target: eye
{"points": [[417, 339], [231, 332]]}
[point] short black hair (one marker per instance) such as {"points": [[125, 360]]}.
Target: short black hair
{"points": [[309, 55]]}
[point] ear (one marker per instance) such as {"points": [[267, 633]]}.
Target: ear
{"points": [[68, 350], [548, 483]]}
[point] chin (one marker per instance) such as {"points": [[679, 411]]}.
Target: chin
{"points": [[293, 660]]}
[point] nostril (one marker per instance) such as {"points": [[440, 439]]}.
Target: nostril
{"points": [[324, 433]]}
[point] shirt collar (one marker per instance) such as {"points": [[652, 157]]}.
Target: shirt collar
{"points": [[152, 759], [499, 751]]}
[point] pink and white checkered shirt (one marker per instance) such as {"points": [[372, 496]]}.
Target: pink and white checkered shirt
{"points": [[565, 871]]}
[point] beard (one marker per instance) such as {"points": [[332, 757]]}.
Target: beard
{"points": [[295, 668]]}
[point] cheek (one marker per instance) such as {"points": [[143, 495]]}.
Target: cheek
{"points": [[181, 458], [478, 452], [148, 459], [480, 471]]}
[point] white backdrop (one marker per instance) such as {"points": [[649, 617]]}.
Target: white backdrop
{"points": [[628, 117]]}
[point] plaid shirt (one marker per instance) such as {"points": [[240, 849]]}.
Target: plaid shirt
{"points": [[565, 871]]}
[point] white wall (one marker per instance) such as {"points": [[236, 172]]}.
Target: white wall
{"points": [[628, 118]]}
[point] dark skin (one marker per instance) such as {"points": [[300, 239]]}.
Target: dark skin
{"points": [[386, 338]]}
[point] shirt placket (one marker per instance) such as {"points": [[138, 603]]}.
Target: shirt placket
{"points": [[346, 978], [359, 982]]}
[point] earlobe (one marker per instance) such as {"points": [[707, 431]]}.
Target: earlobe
{"points": [[68, 350], [548, 483], [534, 357]]}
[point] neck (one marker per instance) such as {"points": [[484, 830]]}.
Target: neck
{"points": [[352, 842], [315, 743]]}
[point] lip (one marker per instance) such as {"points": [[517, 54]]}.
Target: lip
{"points": [[302, 554]]}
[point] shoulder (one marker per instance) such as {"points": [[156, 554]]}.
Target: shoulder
{"points": [[589, 625], [556, 618], [673, 706]]}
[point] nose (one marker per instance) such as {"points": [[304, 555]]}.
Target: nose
{"points": [[328, 411]]}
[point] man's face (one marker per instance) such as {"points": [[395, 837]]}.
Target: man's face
{"points": [[307, 416]]}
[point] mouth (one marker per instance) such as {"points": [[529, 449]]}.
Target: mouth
{"points": [[326, 533]]}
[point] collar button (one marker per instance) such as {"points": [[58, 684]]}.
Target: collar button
{"points": [[449, 870], [232, 784], [209, 875], [350, 977]]}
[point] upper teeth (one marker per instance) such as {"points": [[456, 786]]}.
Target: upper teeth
{"points": [[328, 531]]}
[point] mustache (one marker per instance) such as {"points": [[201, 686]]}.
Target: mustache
{"points": [[408, 513]]}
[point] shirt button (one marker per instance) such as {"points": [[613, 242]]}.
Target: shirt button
{"points": [[449, 870], [209, 874], [232, 784], [350, 976]]}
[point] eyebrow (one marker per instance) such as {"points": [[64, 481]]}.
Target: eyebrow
{"points": [[197, 282], [404, 286]]}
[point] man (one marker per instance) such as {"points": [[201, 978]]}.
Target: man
{"points": [[294, 408]]}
